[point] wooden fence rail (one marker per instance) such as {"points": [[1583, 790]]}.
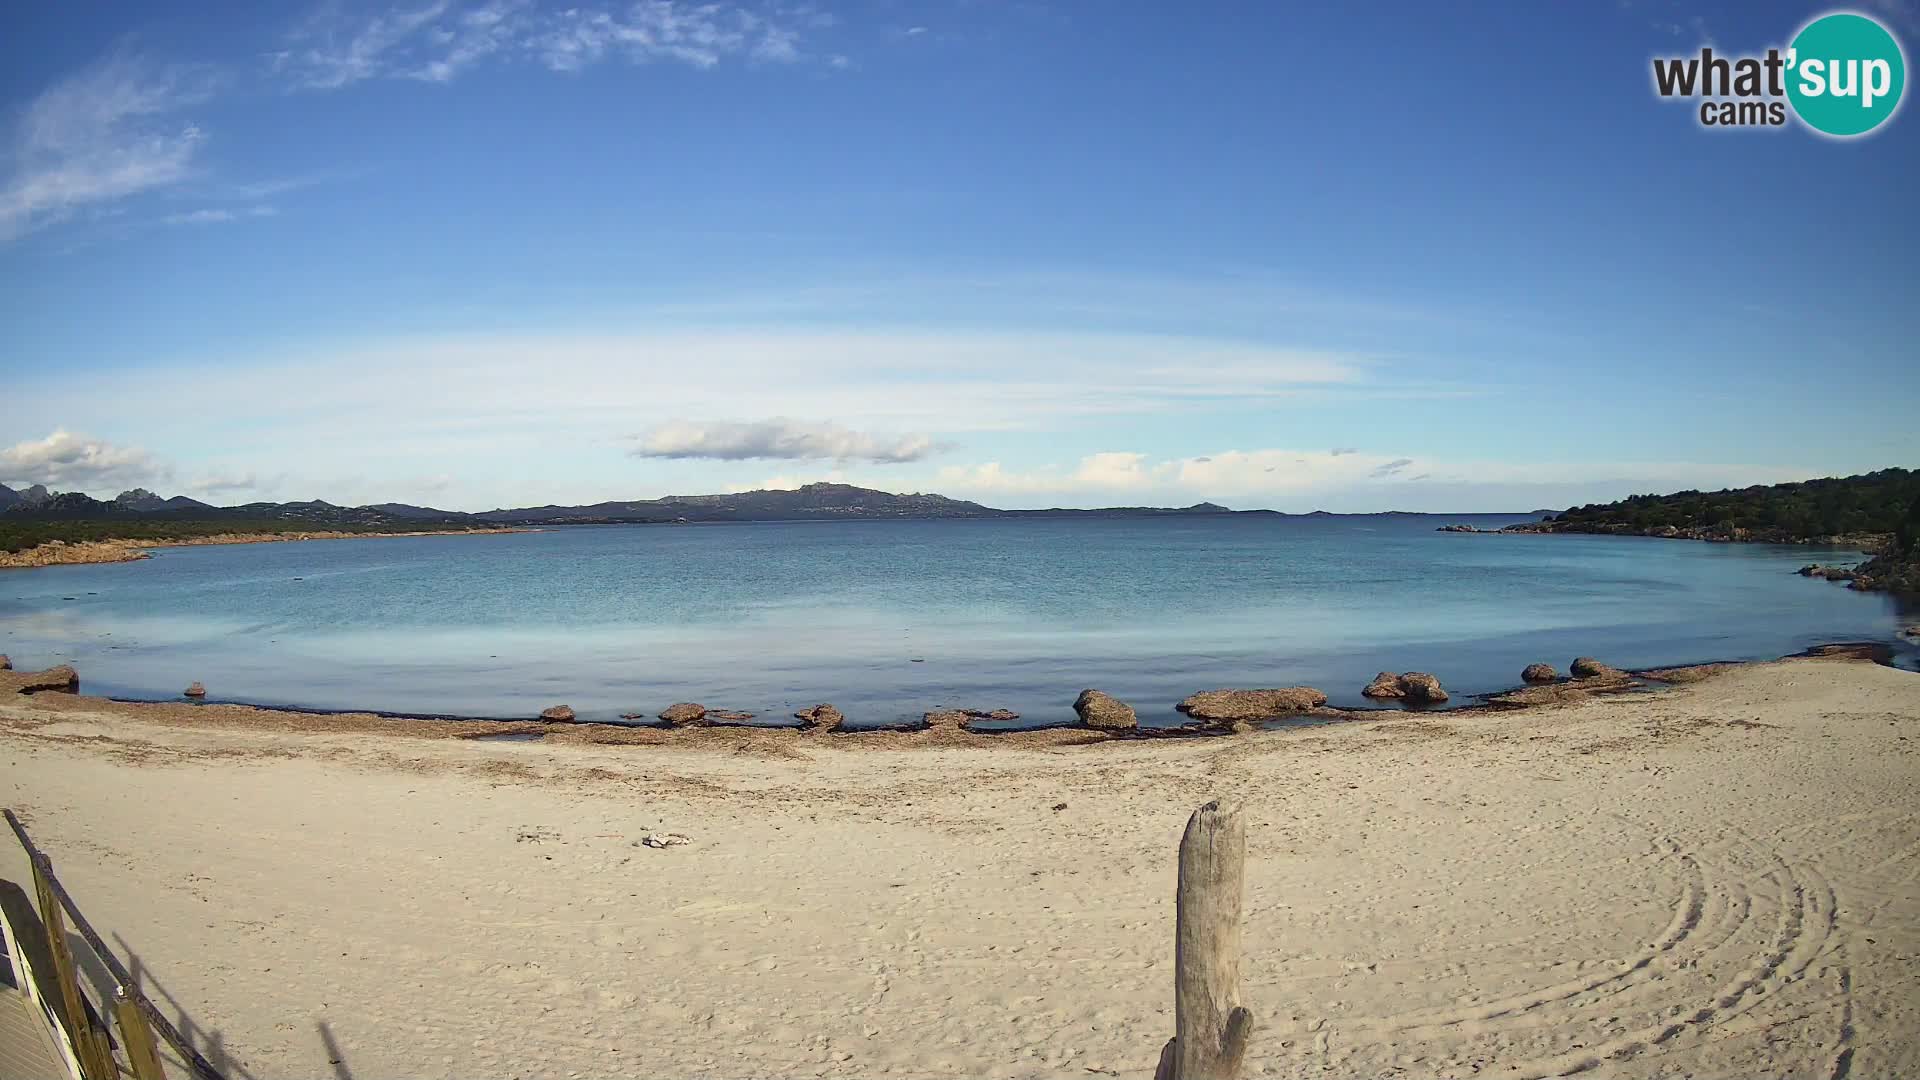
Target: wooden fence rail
{"points": [[137, 1018]]}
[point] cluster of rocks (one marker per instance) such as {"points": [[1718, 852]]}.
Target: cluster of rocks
{"points": [[1417, 687], [1463, 529]]}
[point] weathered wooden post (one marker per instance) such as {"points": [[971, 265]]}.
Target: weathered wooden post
{"points": [[90, 1044], [1210, 1026], [136, 1038]]}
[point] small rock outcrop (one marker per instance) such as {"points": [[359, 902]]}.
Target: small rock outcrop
{"points": [[684, 712], [195, 690], [1422, 688], [1456, 528], [1104, 712], [5, 664], [1385, 685], [558, 714], [822, 717], [1586, 667], [947, 719], [1227, 706], [62, 678], [1539, 673]]}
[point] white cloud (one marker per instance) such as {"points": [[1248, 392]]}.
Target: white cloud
{"points": [[1352, 481], [64, 461], [98, 136], [437, 41], [218, 215], [781, 438]]}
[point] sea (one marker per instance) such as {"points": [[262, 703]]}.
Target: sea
{"points": [[888, 619]]}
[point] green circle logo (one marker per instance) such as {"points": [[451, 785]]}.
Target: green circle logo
{"points": [[1845, 74]]}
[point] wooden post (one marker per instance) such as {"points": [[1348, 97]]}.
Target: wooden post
{"points": [[89, 1044], [1210, 1026], [136, 1038]]}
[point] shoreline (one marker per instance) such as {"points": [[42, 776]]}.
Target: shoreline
{"points": [[24, 688], [1713, 880], [95, 552]]}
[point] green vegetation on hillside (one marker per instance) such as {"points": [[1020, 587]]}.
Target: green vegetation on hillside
{"points": [[1884, 502]]}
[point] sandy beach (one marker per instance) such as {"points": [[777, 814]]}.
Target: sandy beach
{"points": [[1716, 880]]}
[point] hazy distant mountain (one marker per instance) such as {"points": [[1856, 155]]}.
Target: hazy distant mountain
{"points": [[814, 502], [809, 502]]}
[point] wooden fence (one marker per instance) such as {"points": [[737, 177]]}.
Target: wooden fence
{"points": [[42, 953]]}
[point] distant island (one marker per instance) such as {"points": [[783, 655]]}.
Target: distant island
{"points": [[1876, 512], [36, 520]]}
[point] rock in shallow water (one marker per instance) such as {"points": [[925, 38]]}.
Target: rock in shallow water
{"points": [[1539, 673], [822, 717], [1422, 688], [558, 714], [196, 690], [1230, 705], [684, 712], [1104, 711], [1385, 685], [1586, 667]]}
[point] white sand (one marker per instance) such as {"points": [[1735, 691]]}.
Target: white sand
{"points": [[1643, 885]]}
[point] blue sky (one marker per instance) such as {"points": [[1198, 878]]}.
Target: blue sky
{"points": [[1354, 257]]}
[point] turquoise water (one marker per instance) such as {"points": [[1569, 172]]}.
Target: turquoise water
{"points": [[890, 618]]}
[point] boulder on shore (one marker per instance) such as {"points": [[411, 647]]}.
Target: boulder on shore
{"points": [[5, 664], [1104, 711], [821, 717], [195, 690], [1586, 667], [1385, 685], [1422, 688], [54, 678], [684, 712], [1538, 673], [558, 714], [1226, 706], [947, 719]]}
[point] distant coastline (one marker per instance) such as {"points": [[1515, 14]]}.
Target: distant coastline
{"points": [[93, 552]]}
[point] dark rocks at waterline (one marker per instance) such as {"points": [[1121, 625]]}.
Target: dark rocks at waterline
{"points": [[1104, 711], [1461, 529], [822, 717], [1586, 667], [1422, 688], [684, 712], [1416, 687], [960, 719], [195, 690], [1228, 706], [558, 714], [61, 678], [1539, 673], [1830, 573], [1385, 685]]}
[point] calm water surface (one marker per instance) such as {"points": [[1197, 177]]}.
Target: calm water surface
{"points": [[889, 619]]}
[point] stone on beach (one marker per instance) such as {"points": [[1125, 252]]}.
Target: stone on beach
{"points": [[5, 664], [1384, 685], [1586, 667], [1230, 705], [62, 677], [821, 717], [195, 690], [1539, 673], [1104, 711], [684, 712], [1422, 688], [559, 714], [946, 719]]}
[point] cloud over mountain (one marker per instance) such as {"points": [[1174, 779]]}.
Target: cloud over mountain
{"points": [[781, 439]]}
